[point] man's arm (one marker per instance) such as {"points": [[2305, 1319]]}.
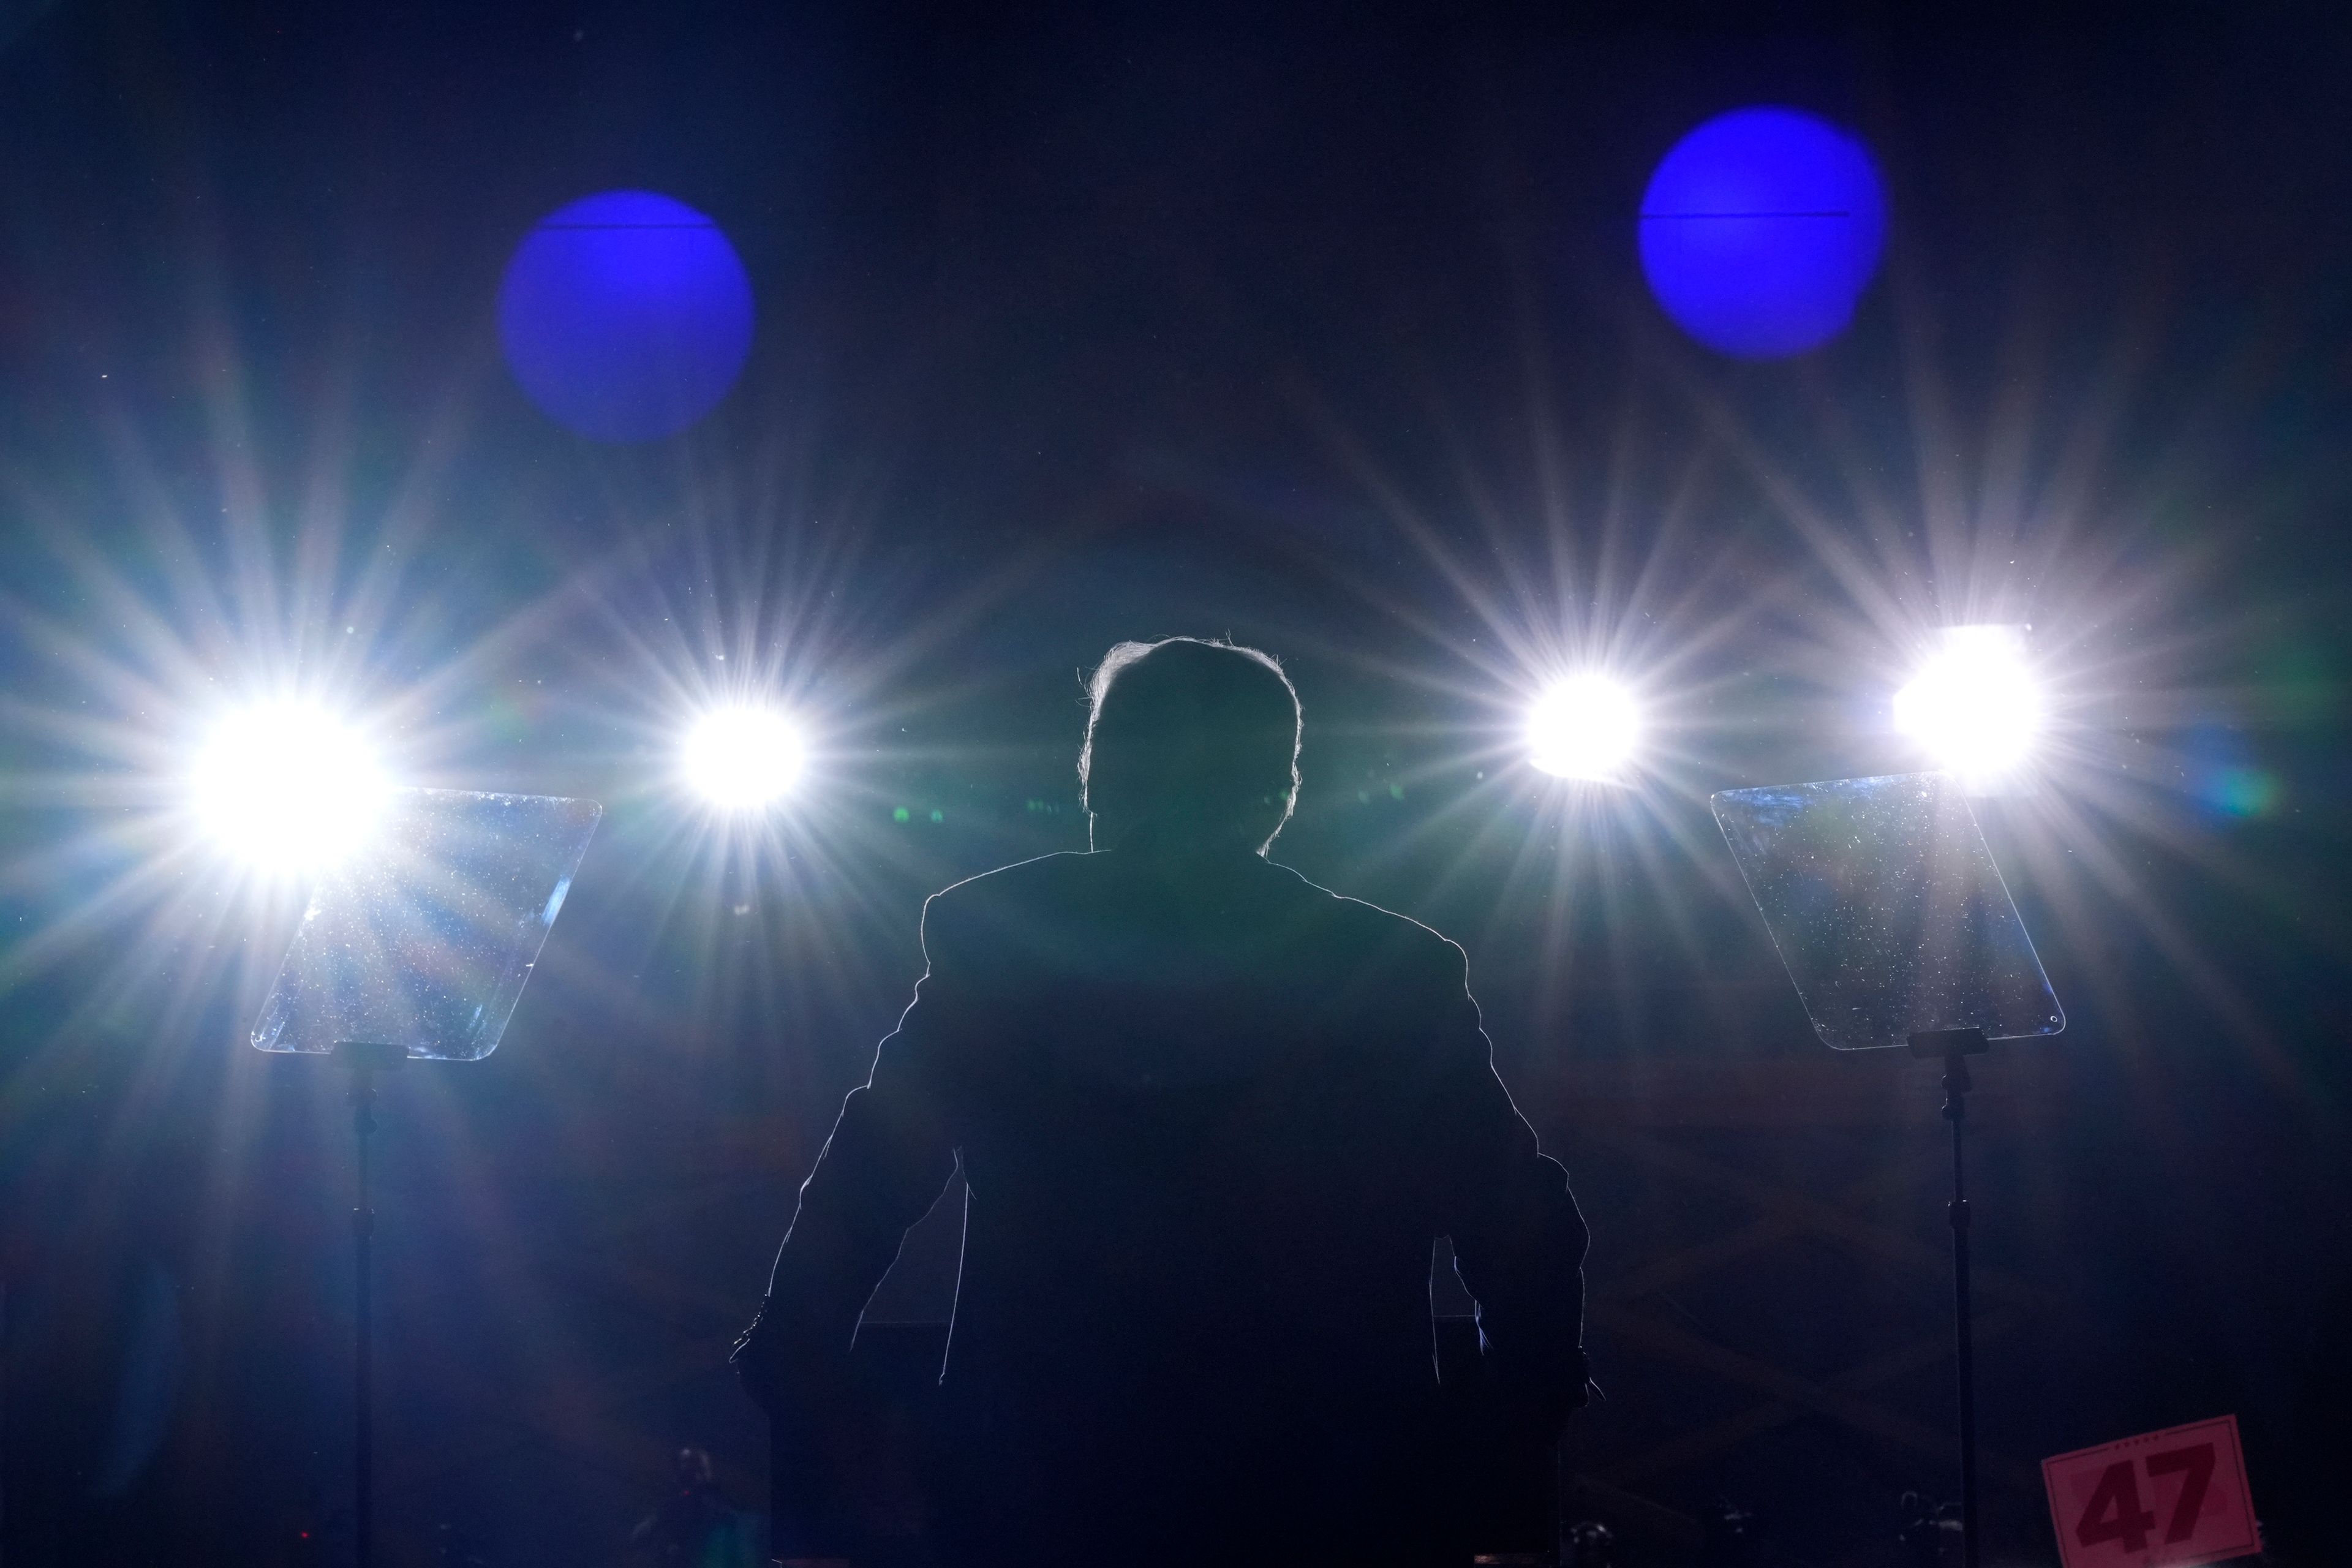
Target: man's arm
{"points": [[889, 1157], [1518, 1240]]}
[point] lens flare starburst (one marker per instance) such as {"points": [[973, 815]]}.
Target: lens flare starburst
{"points": [[1585, 727], [1975, 705], [286, 786], [742, 757]]}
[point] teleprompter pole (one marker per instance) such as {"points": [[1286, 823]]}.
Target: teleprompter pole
{"points": [[1954, 1047], [364, 1058]]}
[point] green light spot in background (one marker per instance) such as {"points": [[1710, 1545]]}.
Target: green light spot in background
{"points": [[899, 815], [1396, 792], [2245, 792], [939, 816]]}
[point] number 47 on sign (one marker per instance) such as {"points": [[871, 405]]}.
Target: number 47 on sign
{"points": [[2167, 1500]]}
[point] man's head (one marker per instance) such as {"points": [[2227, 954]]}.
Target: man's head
{"points": [[1192, 742]]}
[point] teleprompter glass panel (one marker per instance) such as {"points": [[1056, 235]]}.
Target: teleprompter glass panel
{"points": [[423, 939], [1888, 910]]}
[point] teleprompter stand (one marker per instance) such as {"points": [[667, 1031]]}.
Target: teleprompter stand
{"points": [[362, 1060], [419, 949], [1883, 902], [1953, 1048]]}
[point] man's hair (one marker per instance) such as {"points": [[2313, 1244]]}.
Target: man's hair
{"points": [[1196, 736]]}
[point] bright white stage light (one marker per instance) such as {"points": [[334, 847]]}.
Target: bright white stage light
{"points": [[288, 787], [1974, 705], [1583, 728], [739, 758]]}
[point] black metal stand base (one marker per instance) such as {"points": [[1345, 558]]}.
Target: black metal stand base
{"points": [[1954, 1047], [363, 1060]]}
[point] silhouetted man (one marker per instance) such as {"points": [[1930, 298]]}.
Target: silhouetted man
{"points": [[1210, 1117]]}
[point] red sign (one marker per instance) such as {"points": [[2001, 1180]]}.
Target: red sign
{"points": [[2164, 1500]]}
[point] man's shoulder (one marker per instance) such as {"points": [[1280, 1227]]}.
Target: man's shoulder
{"points": [[1408, 949], [963, 909], [1040, 878]]}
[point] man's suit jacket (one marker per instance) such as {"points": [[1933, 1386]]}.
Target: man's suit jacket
{"points": [[1209, 1120]]}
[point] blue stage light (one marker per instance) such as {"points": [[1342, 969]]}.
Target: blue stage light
{"points": [[1761, 229], [626, 316]]}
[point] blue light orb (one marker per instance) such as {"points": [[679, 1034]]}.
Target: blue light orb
{"points": [[626, 316], [1761, 229]]}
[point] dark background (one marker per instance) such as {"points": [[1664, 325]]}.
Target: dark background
{"points": [[1322, 327]]}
